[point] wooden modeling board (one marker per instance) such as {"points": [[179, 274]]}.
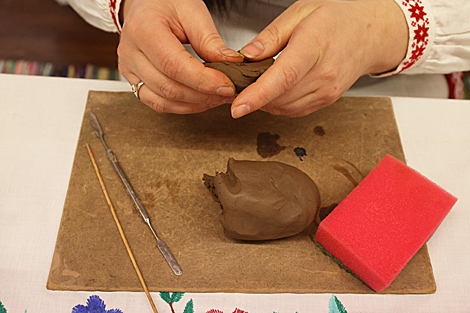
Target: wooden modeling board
{"points": [[165, 157]]}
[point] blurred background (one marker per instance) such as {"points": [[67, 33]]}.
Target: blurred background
{"points": [[43, 37]]}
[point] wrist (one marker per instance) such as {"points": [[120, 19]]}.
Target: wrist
{"points": [[388, 35]]}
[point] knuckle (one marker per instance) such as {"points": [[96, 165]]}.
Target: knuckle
{"points": [[329, 98], [331, 76], [284, 111], [170, 91], [289, 77], [274, 110], [122, 68], [274, 35], [208, 100], [302, 8], [157, 104], [123, 55], [120, 50], [170, 66], [202, 84], [210, 38], [331, 95]]}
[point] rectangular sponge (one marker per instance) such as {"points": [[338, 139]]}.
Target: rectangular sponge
{"points": [[376, 230]]}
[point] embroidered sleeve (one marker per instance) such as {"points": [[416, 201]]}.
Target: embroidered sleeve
{"points": [[439, 37], [421, 32], [103, 14]]}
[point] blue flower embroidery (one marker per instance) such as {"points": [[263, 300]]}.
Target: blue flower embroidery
{"points": [[94, 305]]}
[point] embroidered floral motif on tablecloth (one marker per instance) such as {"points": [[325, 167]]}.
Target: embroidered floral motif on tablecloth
{"points": [[94, 304]]}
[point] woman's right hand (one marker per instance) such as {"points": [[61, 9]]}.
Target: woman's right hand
{"points": [[151, 50]]}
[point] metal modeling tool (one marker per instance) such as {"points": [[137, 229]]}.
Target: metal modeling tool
{"points": [[121, 231], [112, 157]]}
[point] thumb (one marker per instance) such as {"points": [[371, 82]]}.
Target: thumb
{"points": [[274, 37], [205, 39]]}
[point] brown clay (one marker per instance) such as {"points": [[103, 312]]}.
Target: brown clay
{"points": [[242, 74], [264, 200]]}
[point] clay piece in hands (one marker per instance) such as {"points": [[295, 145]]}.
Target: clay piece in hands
{"points": [[242, 74]]}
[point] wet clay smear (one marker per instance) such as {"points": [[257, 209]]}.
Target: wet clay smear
{"points": [[267, 145], [263, 200], [242, 74], [319, 131]]}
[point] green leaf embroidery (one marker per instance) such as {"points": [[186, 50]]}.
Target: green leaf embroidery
{"points": [[336, 306], [189, 307], [165, 296], [176, 296], [2, 308]]}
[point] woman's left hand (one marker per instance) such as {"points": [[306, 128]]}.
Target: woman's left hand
{"points": [[327, 46]]}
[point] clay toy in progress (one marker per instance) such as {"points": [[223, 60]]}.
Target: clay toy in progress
{"points": [[242, 74], [264, 200]]}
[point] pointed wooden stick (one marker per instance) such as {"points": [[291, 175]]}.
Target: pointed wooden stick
{"points": [[121, 231]]}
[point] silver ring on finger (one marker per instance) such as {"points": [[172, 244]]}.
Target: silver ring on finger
{"points": [[136, 88]]}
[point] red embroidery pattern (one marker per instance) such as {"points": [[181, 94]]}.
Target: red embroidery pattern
{"points": [[237, 310], [112, 9], [419, 27]]}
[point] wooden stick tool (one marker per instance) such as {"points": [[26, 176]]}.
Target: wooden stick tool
{"points": [[121, 231]]}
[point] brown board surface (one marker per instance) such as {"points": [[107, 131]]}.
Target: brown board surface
{"points": [[165, 157]]}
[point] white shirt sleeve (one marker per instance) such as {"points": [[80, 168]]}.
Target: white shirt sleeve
{"points": [[439, 32], [103, 14], [439, 37]]}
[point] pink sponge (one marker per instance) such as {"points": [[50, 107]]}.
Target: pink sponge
{"points": [[383, 222]]}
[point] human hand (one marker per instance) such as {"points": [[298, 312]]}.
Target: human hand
{"points": [[151, 50], [327, 46]]}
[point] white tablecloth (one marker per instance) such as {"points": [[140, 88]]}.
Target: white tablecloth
{"points": [[40, 120]]}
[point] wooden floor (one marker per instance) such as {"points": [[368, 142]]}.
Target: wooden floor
{"points": [[44, 31]]}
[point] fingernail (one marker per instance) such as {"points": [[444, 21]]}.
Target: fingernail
{"points": [[225, 91], [230, 53], [241, 110], [228, 100], [252, 50]]}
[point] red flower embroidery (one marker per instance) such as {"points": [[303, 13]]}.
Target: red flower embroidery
{"points": [[417, 53], [417, 12], [419, 26], [421, 33]]}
